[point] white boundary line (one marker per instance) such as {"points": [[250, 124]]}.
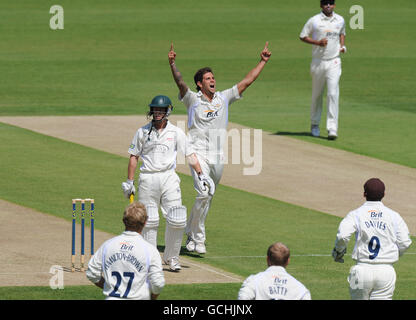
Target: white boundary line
{"points": [[292, 255], [211, 270]]}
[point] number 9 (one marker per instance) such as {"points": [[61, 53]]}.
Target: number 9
{"points": [[374, 249]]}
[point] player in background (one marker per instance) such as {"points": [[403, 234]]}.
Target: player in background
{"points": [[157, 144], [207, 124], [381, 236], [326, 33], [127, 266], [275, 283]]}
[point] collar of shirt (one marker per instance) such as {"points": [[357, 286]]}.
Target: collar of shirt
{"points": [[204, 98], [131, 233], [149, 126], [276, 269], [331, 18]]}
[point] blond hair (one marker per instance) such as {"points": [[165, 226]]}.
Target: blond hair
{"points": [[135, 216]]}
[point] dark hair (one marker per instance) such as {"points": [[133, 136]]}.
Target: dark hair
{"points": [[199, 76], [374, 189], [278, 254]]}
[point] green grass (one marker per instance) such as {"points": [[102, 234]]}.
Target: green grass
{"points": [[112, 59], [239, 233]]}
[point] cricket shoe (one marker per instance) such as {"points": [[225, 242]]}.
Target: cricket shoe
{"points": [[190, 244], [332, 135], [200, 248], [315, 132], [174, 264]]}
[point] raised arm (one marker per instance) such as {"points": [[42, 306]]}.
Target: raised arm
{"points": [[183, 88], [254, 73]]}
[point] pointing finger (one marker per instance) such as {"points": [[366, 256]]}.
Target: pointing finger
{"points": [[171, 46], [267, 44]]}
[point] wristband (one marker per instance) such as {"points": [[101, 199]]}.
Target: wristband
{"points": [[345, 49]]}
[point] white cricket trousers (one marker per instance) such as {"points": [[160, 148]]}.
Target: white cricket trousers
{"points": [[161, 189], [325, 72], [195, 227], [372, 281]]}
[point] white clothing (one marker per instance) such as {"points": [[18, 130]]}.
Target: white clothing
{"points": [[325, 66], [319, 27], [275, 283], [162, 189], [158, 150], [208, 120], [381, 236], [372, 281], [207, 130], [158, 183], [131, 267], [325, 72]]}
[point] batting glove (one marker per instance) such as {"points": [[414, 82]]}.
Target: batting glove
{"points": [[207, 184], [128, 188], [338, 255]]}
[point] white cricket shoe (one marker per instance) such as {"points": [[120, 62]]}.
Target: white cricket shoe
{"points": [[332, 135], [190, 244], [174, 264], [315, 132], [200, 248]]}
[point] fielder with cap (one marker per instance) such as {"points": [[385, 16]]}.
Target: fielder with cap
{"points": [[381, 237], [326, 33], [157, 144], [207, 123]]}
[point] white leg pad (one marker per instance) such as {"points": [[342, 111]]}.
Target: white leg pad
{"points": [[175, 227], [150, 229]]}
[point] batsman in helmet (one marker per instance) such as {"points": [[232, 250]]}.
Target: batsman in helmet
{"points": [[156, 144]]}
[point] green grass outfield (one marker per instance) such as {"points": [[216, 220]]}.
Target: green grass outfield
{"points": [[111, 58]]}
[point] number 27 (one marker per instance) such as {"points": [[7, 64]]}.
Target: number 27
{"points": [[116, 274]]}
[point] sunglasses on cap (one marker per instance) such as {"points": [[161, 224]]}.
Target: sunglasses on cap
{"points": [[325, 2]]}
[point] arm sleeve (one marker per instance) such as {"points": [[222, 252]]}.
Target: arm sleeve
{"points": [[402, 234], [231, 95], [189, 99], [346, 228], [247, 290], [136, 144], [307, 29], [343, 28], [156, 277], [183, 144], [94, 270]]}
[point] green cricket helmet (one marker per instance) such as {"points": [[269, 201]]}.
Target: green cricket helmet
{"points": [[161, 102]]}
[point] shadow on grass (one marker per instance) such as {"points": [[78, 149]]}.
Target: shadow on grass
{"points": [[297, 134]]}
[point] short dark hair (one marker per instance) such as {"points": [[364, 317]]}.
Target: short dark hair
{"points": [[199, 75], [278, 254], [374, 189]]}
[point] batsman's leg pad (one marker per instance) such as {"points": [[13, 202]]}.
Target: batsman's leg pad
{"points": [[150, 229], [175, 227]]}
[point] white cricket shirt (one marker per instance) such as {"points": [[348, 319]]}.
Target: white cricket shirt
{"points": [[158, 150], [208, 121], [131, 267], [273, 284], [381, 234], [320, 26]]}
